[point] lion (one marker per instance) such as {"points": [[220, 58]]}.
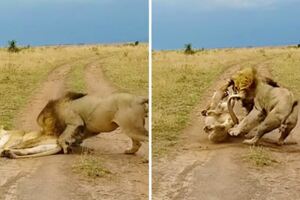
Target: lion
{"points": [[77, 116], [16, 144], [274, 106], [217, 118]]}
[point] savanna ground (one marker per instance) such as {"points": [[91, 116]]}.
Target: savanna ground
{"points": [[185, 164], [33, 76]]}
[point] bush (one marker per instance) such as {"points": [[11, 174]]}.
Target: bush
{"points": [[188, 49], [12, 46], [136, 43]]}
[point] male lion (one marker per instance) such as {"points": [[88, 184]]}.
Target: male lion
{"points": [[76, 116], [16, 144], [274, 106], [217, 117]]}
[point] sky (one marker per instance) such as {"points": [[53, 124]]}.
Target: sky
{"points": [[46, 22], [225, 23]]}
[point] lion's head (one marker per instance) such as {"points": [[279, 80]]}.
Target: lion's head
{"points": [[50, 119], [244, 79]]}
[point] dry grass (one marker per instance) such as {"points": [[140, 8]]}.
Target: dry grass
{"points": [[21, 73], [75, 81], [90, 166], [179, 81], [127, 67], [287, 70]]}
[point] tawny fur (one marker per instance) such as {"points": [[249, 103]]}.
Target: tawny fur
{"points": [[75, 117], [217, 119], [274, 106], [20, 144]]}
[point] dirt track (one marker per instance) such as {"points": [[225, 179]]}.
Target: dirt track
{"points": [[199, 170], [51, 177]]}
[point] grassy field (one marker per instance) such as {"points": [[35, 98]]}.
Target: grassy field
{"points": [[126, 67], [22, 72], [179, 81], [287, 70]]}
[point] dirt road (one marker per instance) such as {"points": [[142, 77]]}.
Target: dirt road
{"points": [[198, 170], [51, 177]]}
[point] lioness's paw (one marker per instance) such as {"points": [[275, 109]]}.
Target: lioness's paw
{"points": [[234, 132]]}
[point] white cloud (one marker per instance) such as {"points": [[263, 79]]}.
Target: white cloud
{"points": [[225, 4]]}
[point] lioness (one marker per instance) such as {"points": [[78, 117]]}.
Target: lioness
{"points": [[217, 118], [77, 116], [274, 107], [16, 144]]}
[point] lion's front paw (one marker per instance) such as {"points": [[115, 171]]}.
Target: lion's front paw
{"points": [[234, 131]]}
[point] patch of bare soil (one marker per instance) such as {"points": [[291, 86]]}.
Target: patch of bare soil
{"points": [[197, 169], [129, 179], [44, 178]]}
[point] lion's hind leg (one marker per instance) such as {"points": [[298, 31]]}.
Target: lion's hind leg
{"points": [[135, 147], [288, 126], [132, 122]]}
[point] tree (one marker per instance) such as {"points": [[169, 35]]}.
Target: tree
{"points": [[188, 49], [12, 46]]}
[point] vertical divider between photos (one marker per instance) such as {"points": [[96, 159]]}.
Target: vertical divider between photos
{"points": [[150, 95]]}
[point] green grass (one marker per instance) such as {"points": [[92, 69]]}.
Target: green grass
{"points": [[259, 157], [127, 68], [16, 85], [90, 166], [287, 71], [76, 80], [173, 104]]}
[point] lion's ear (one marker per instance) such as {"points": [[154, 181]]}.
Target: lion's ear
{"points": [[230, 82]]}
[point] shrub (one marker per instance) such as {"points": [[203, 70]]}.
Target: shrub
{"points": [[188, 49], [12, 46]]}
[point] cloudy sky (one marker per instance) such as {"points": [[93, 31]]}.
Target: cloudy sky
{"points": [[40, 22], [225, 23]]}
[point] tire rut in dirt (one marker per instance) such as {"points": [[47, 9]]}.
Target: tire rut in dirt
{"points": [[42, 171], [203, 180], [129, 174]]}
